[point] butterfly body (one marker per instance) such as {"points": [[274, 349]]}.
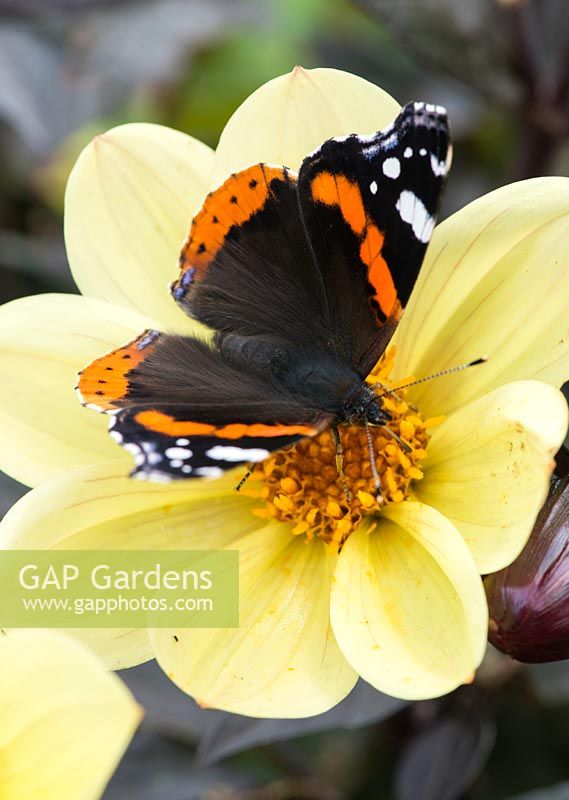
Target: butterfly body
{"points": [[327, 385], [303, 279]]}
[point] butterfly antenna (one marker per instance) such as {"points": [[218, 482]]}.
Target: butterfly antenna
{"points": [[374, 472], [435, 375], [244, 479], [340, 463]]}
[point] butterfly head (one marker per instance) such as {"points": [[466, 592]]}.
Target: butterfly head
{"points": [[364, 407]]}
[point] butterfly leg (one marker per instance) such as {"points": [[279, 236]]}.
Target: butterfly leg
{"points": [[340, 462], [374, 472]]}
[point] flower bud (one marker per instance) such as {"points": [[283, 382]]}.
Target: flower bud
{"points": [[529, 600]]}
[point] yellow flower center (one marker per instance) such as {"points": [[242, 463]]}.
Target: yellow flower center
{"points": [[301, 485]]}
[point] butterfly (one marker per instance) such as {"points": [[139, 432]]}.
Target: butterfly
{"points": [[302, 278]]}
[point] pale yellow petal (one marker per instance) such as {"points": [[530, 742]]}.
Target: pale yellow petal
{"points": [[494, 283], [64, 721], [128, 207], [488, 467], [100, 508], [408, 607], [282, 660], [288, 117], [44, 341]]}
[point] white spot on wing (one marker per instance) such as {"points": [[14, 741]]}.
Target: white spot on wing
{"points": [[413, 211], [391, 168], [373, 187], [439, 167], [178, 453], [182, 442], [231, 453], [423, 151], [408, 152]]}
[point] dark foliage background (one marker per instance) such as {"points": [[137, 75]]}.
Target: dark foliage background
{"points": [[71, 68]]}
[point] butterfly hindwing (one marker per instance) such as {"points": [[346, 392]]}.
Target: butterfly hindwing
{"points": [[183, 409], [167, 444]]}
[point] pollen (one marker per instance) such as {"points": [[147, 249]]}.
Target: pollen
{"points": [[302, 486]]}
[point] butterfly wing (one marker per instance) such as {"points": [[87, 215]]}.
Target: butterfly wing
{"points": [[168, 443], [370, 204], [183, 410], [247, 267]]}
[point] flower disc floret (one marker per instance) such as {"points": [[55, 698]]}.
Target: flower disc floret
{"points": [[301, 485]]}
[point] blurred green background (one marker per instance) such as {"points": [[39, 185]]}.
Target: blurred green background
{"points": [[72, 68]]}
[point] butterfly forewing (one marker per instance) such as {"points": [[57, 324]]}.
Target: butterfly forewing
{"points": [[370, 204]]}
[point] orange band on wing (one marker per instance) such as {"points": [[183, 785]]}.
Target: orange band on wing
{"points": [[163, 423], [378, 272], [104, 383], [241, 196], [337, 190]]}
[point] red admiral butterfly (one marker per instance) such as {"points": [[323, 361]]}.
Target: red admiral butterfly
{"points": [[303, 278]]}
